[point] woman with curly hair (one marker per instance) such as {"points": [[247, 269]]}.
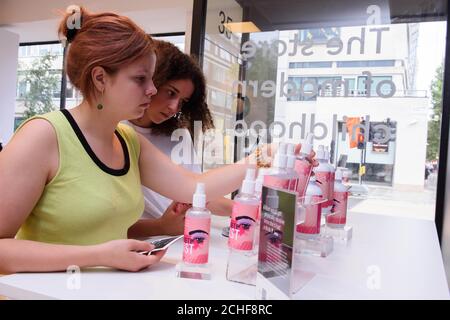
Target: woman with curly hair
{"points": [[70, 180], [180, 101]]}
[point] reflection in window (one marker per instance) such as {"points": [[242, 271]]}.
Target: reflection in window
{"points": [[384, 88], [320, 35], [218, 98], [366, 63], [315, 64], [351, 84], [311, 86]]}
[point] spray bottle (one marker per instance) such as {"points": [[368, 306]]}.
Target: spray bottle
{"points": [[303, 166], [311, 216], [242, 260], [197, 227], [244, 215], [278, 176], [258, 194], [332, 174], [323, 176], [290, 165], [338, 216]]}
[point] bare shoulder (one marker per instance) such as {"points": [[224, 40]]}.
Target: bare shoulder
{"points": [[35, 143], [37, 135], [39, 129]]}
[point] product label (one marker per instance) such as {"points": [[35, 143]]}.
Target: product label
{"points": [[271, 236], [313, 214], [196, 240], [303, 169], [323, 179], [242, 226], [338, 213], [276, 182]]}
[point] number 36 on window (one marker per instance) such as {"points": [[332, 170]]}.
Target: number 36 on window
{"points": [[224, 19]]}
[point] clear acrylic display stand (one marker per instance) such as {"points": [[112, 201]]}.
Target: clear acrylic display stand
{"points": [[242, 267], [193, 271], [310, 236], [319, 245], [340, 234]]}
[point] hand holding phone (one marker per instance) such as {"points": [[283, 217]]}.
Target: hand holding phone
{"points": [[161, 243]]}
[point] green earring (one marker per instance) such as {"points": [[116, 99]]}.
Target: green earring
{"points": [[100, 105]]}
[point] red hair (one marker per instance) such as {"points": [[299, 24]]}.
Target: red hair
{"points": [[107, 40]]}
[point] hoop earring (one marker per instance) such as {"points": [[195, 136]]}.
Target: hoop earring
{"points": [[100, 105]]}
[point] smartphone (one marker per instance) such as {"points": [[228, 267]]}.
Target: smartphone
{"points": [[161, 243]]}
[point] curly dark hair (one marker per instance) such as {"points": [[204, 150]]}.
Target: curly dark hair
{"points": [[172, 64]]}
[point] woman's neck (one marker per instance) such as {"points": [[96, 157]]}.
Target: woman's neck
{"points": [[93, 122]]}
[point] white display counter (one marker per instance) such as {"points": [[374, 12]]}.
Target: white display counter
{"points": [[388, 258]]}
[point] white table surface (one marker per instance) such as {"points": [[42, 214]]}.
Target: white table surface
{"points": [[402, 254]]}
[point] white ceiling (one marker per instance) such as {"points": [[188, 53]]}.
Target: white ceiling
{"points": [[38, 20]]}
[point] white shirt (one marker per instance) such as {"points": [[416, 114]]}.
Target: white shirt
{"points": [[156, 204]]}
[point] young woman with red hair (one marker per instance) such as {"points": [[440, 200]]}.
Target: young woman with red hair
{"points": [[168, 124], [70, 180]]}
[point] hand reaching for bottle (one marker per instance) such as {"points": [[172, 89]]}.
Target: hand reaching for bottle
{"points": [[172, 221], [268, 151]]}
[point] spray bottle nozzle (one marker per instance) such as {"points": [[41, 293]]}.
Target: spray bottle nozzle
{"points": [[248, 185], [282, 148], [338, 174], [307, 144], [321, 153], [200, 189], [290, 149], [199, 198], [290, 156], [250, 174]]}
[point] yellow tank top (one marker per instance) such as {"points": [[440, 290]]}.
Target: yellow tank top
{"points": [[86, 202]]}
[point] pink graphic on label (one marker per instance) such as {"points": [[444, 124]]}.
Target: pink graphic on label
{"points": [[271, 247], [323, 180], [242, 226], [196, 240], [303, 169], [271, 240], [313, 214], [339, 211], [276, 182]]}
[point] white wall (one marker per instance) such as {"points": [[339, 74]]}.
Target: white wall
{"points": [[8, 79], [16, 11], [38, 20]]}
